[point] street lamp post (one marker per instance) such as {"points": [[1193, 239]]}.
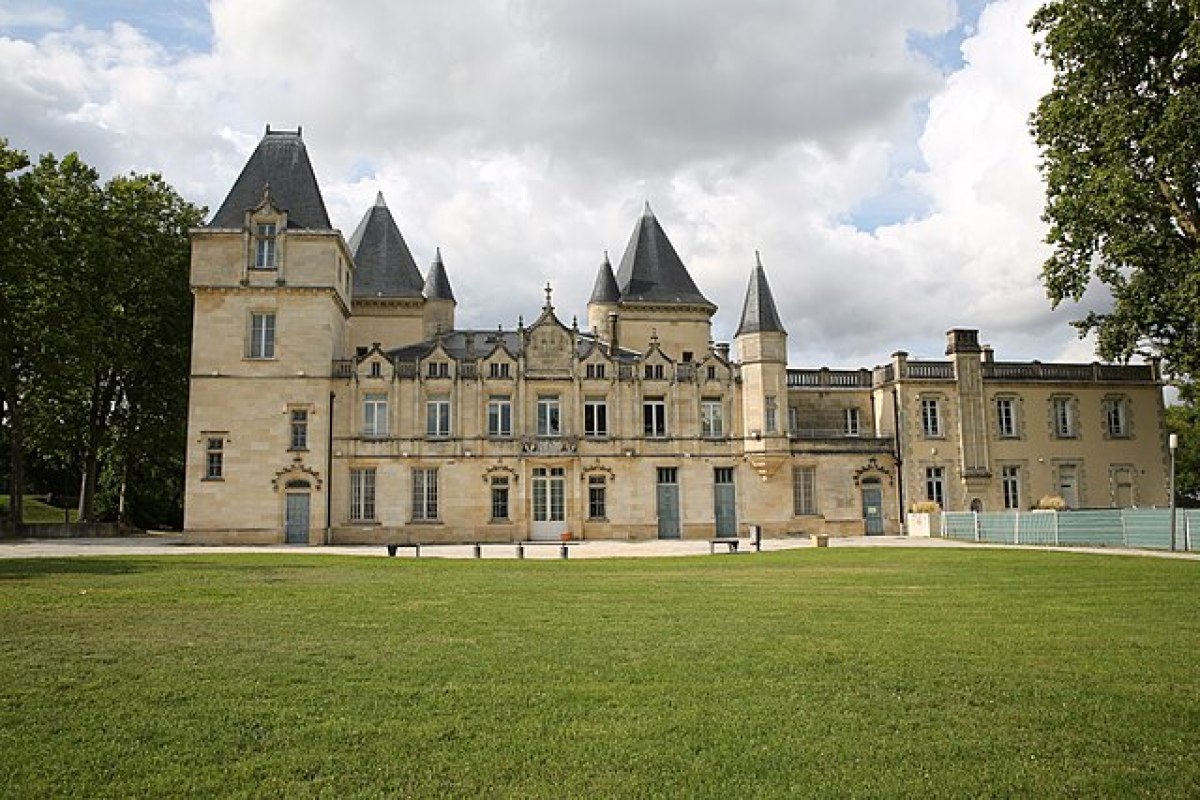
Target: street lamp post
{"points": [[1172, 444]]}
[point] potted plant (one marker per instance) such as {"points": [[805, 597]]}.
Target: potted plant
{"points": [[924, 519]]}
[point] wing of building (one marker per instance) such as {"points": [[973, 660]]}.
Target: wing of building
{"points": [[334, 400]]}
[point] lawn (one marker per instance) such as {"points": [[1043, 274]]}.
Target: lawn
{"points": [[864, 672], [37, 510]]}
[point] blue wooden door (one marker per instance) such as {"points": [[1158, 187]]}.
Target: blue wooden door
{"points": [[668, 503], [296, 521], [724, 502], [872, 503]]}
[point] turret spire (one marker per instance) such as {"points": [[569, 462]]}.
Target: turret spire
{"points": [[759, 314]]}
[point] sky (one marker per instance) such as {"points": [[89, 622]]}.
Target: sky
{"points": [[877, 155]]}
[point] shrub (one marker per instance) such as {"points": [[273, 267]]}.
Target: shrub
{"points": [[1051, 502], [925, 507]]}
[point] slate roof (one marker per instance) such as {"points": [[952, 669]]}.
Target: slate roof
{"points": [[280, 161], [759, 314], [383, 264], [651, 270], [455, 343], [605, 289], [437, 285]]}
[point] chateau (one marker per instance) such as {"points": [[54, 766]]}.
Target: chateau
{"points": [[334, 400]]}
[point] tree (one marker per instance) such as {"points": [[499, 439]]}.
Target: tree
{"points": [[1120, 140], [1183, 419]]}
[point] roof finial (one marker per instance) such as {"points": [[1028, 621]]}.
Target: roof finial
{"points": [[606, 261], [646, 212], [379, 200], [757, 259], [548, 290]]}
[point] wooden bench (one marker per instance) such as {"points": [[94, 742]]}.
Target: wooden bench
{"points": [[563, 552], [392, 548]]}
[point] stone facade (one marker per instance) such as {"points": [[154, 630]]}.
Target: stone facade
{"points": [[333, 400]]}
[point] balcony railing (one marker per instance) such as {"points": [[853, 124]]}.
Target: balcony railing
{"points": [[829, 378]]}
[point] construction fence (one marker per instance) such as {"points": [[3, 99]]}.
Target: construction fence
{"points": [[1147, 528]]}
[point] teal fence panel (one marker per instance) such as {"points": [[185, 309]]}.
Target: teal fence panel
{"points": [[997, 527], [959, 525], [1037, 527], [1100, 528], [1192, 529]]}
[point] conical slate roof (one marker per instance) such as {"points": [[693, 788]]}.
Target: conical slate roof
{"points": [[759, 314], [437, 285], [383, 265], [651, 270], [281, 162], [605, 290]]}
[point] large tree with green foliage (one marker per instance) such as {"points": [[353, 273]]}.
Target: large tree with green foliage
{"points": [[1120, 139], [99, 286]]}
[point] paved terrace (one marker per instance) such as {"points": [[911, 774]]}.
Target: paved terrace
{"points": [[171, 544]]}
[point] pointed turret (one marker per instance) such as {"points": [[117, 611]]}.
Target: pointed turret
{"points": [[383, 264], [605, 290], [759, 314], [652, 272], [437, 285], [279, 163], [439, 299]]}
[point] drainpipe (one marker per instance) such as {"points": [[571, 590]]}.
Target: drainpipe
{"points": [[898, 455], [329, 475]]}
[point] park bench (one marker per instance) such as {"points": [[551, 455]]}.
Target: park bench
{"points": [[731, 541], [416, 546], [563, 552]]}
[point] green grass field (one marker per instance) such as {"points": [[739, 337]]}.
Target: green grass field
{"points": [[840, 672], [38, 510]]}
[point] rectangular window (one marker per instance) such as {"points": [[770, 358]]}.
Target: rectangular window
{"points": [[214, 459], [668, 475], [499, 498], [935, 485], [262, 335], [424, 494], [362, 494], [793, 420], [376, 369], [654, 417], [264, 246], [1115, 417], [597, 487], [804, 491], [654, 372], [712, 422], [1010, 481], [299, 429], [1006, 418], [710, 373], [771, 414], [499, 416], [375, 414], [931, 416], [437, 417], [1064, 418], [438, 369], [549, 422], [498, 369], [595, 417], [723, 475], [595, 371], [850, 422]]}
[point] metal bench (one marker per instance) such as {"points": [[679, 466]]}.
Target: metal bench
{"points": [[563, 552]]}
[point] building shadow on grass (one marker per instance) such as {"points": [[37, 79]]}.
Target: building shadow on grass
{"points": [[18, 569]]}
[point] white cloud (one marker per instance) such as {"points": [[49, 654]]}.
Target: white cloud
{"points": [[522, 137]]}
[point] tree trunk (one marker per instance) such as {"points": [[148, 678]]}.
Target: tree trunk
{"points": [[16, 455], [97, 419]]}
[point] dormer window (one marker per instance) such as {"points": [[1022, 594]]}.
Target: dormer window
{"points": [[498, 369], [595, 371], [376, 369], [654, 372], [264, 246], [438, 369]]}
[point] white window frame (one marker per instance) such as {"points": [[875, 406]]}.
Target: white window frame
{"points": [[266, 252], [362, 494], [1010, 486], [931, 417], [935, 485], [851, 421], [375, 415], [214, 458], [262, 335], [1116, 417], [1006, 417], [654, 417], [499, 416], [804, 491], [424, 494], [1063, 412], [712, 418], [597, 497], [501, 507], [770, 414], [549, 416], [595, 418], [437, 418], [298, 429]]}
